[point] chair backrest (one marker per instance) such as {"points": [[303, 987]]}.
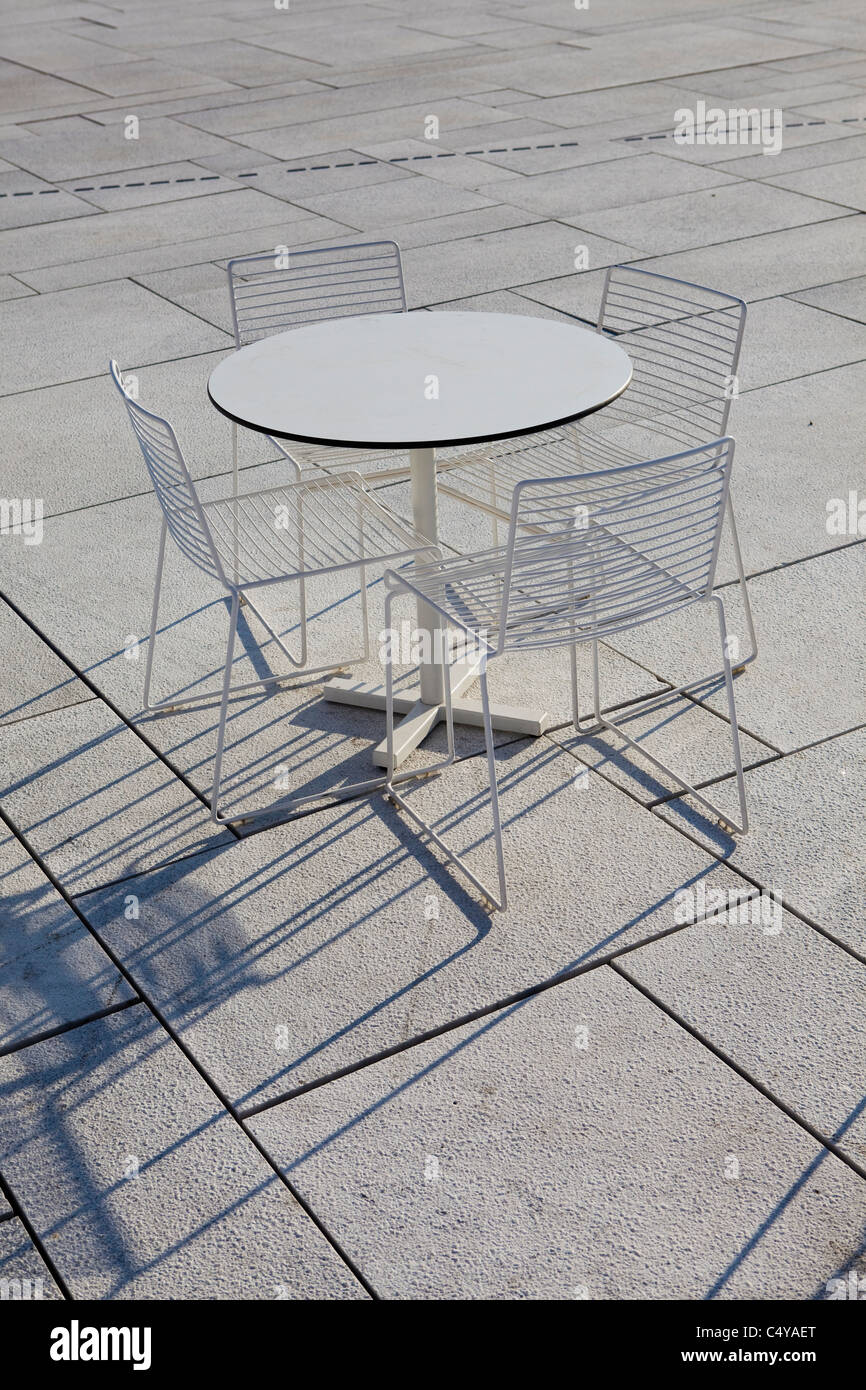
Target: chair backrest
{"points": [[684, 342], [172, 483], [287, 289], [600, 552]]}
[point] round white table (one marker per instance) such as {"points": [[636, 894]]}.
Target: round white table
{"points": [[418, 381]]}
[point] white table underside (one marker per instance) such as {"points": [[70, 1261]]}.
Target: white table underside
{"points": [[424, 706]]}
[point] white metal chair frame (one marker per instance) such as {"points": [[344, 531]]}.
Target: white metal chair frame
{"points": [[281, 290], [684, 341], [588, 556], [311, 526]]}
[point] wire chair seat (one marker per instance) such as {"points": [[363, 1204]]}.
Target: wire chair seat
{"points": [[316, 526], [614, 561]]}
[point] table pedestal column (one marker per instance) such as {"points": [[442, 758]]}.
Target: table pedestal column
{"points": [[424, 706]]}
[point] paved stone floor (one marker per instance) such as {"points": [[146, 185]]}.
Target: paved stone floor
{"points": [[299, 1059]]}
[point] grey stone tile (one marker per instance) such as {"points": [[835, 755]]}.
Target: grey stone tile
{"points": [[343, 170], [124, 320], [791, 159], [568, 1200], [352, 45], [403, 200], [162, 183], [738, 980], [300, 228], [233, 944], [139, 77], [27, 200], [336, 132], [502, 260], [576, 295], [706, 217], [845, 297], [146, 1188], [52, 972], [808, 680], [177, 390], [21, 89], [623, 181], [42, 45], [844, 184], [798, 446], [459, 226], [783, 340], [87, 148], [246, 64], [23, 1266], [10, 288], [93, 801], [37, 680], [806, 841], [842, 108], [422, 157], [756, 267], [685, 736], [102, 240], [602, 108]]}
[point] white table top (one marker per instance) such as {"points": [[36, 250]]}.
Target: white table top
{"points": [[365, 381]]}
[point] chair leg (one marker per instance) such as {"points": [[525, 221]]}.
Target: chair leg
{"points": [[223, 714], [154, 615], [497, 902], [723, 816], [744, 591]]}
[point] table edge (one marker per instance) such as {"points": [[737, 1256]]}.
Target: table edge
{"points": [[400, 445]]}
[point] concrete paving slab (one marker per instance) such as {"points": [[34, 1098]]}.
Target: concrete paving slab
{"points": [[501, 260], [805, 839], [91, 149], [576, 1198], [776, 263], [123, 1158], [844, 184], [686, 736], [233, 944], [24, 89], [402, 200], [394, 123], [37, 680], [52, 972], [10, 288], [791, 159], [808, 681], [753, 986], [246, 64], [797, 448], [641, 178], [25, 201], [301, 229], [706, 217], [93, 801], [783, 341], [23, 1272], [161, 183], [845, 297], [142, 76], [136, 230], [124, 321], [176, 389]]}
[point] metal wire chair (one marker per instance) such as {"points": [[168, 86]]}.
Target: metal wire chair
{"points": [[311, 526], [282, 290], [588, 556], [684, 342]]}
